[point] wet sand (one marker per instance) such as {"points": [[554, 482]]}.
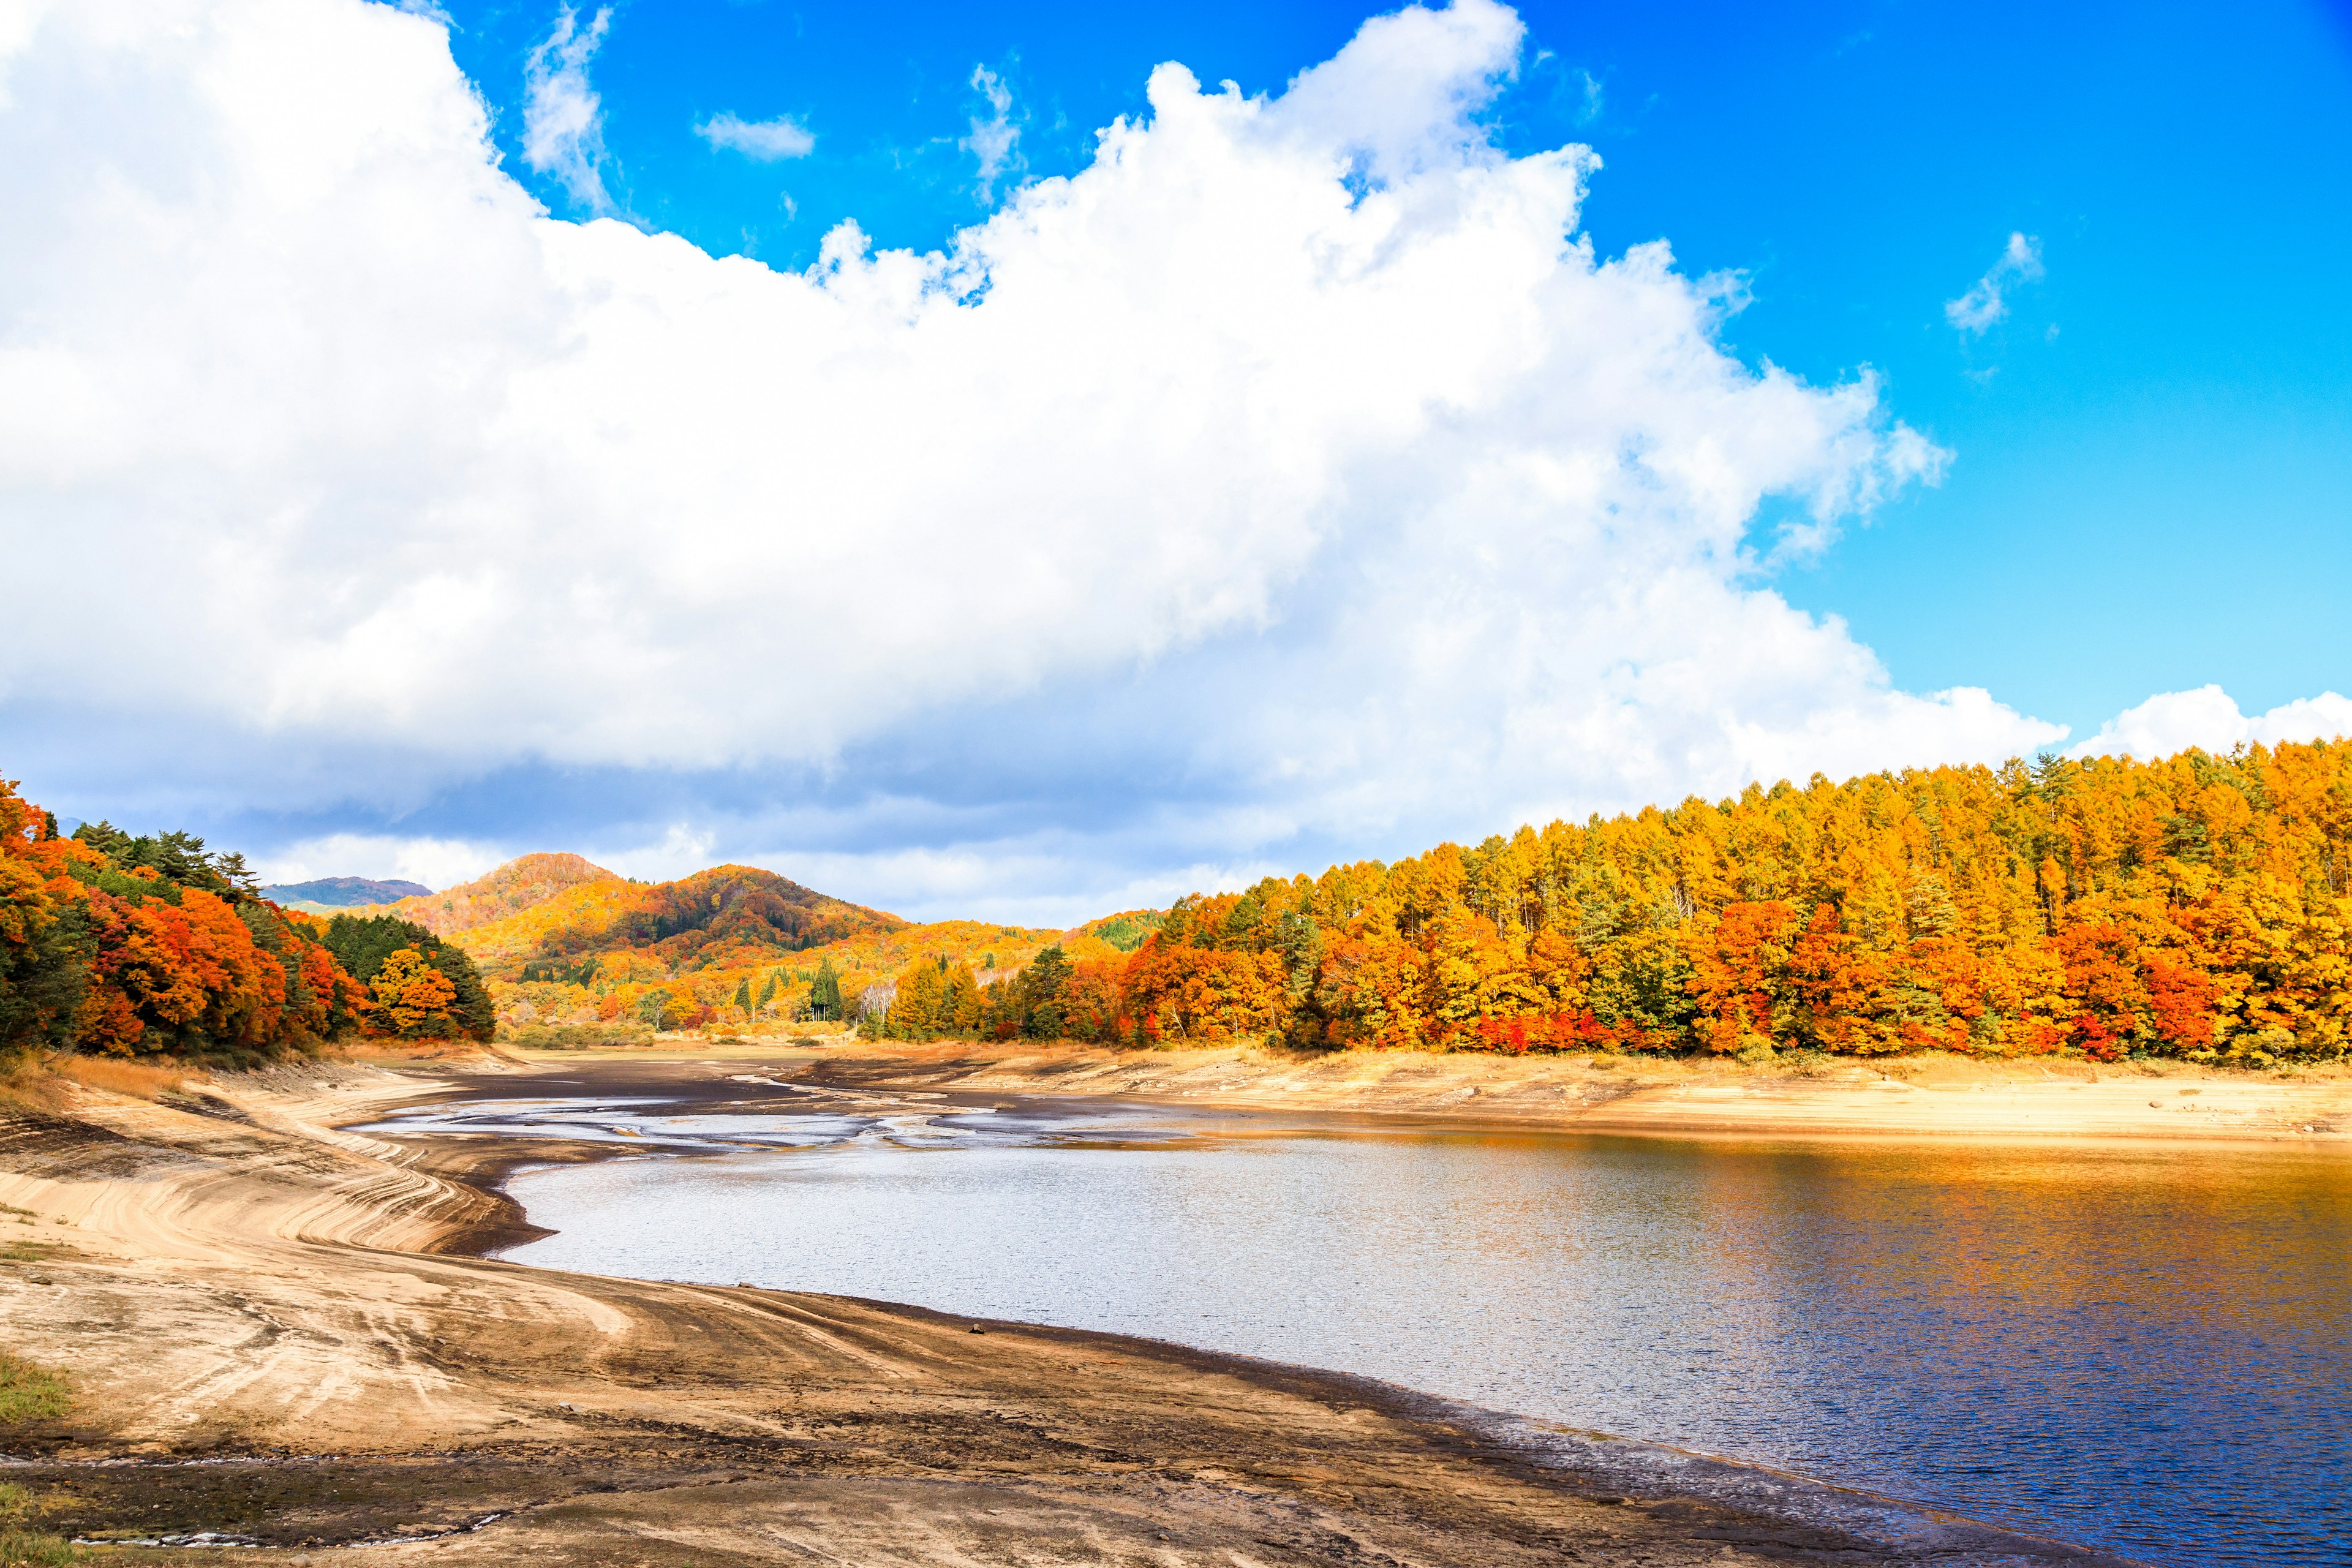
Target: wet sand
{"points": [[275, 1318]]}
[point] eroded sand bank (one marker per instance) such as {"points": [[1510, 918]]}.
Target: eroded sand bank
{"points": [[275, 1319], [1897, 1097]]}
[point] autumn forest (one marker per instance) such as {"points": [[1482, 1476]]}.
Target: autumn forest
{"points": [[2193, 907], [146, 946]]}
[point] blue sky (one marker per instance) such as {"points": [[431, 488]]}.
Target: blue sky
{"points": [[2138, 477]]}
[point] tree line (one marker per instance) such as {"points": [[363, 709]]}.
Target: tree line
{"points": [[2193, 906], [131, 944]]}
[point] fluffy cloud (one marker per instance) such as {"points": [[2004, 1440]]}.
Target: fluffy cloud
{"points": [[1986, 302], [768, 141], [1292, 474], [995, 139], [562, 118], [2175, 721], [436, 862]]}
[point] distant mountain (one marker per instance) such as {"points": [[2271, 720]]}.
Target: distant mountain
{"points": [[726, 917], [329, 894], [515, 887], [599, 949]]}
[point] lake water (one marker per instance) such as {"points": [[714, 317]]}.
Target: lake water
{"points": [[2142, 1348]]}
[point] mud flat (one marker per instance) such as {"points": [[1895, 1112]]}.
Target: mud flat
{"points": [[1904, 1097], [279, 1340]]}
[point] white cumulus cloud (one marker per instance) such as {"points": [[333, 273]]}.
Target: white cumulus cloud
{"points": [[996, 139], [768, 141], [2173, 722], [562, 117], [1294, 468], [436, 862], [1986, 302]]}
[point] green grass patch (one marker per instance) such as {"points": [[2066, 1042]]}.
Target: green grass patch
{"points": [[21, 1550], [29, 1392]]}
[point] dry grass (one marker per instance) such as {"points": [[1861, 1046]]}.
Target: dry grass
{"points": [[386, 1050], [578, 1036], [25, 1086], [141, 1081]]}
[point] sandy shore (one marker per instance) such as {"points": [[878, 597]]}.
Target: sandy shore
{"points": [[276, 1320], [1899, 1098]]}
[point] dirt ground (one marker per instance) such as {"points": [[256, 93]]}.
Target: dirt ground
{"points": [[278, 1340]]}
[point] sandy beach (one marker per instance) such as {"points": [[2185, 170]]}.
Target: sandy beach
{"points": [[276, 1321]]}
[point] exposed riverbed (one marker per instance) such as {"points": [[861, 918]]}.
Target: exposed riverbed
{"points": [[276, 1336], [2138, 1346]]}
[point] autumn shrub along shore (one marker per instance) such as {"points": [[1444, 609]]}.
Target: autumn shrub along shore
{"points": [[2194, 907], [118, 945]]}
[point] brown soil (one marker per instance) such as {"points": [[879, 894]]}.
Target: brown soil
{"points": [[276, 1337]]}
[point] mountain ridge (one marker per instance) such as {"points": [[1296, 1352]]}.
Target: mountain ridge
{"points": [[328, 894], [742, 913], [517, 885]]}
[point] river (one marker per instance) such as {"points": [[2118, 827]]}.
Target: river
{"points": [[2138, 1347]]}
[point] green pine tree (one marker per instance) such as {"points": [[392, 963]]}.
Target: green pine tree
{"points": [[825, 993], [1049, 974]]}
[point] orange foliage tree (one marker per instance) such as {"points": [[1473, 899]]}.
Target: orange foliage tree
{"points": [[140, 945], [2195, 906]]}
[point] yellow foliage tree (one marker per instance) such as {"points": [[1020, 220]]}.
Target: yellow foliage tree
{"points": [[412, 998]]}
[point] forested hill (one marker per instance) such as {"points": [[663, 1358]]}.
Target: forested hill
{"points": [[727, 917], [1125, 931], [730, 944], [730, 908], [2195, 906], [521, 884], [137, 944], [720, 918]]}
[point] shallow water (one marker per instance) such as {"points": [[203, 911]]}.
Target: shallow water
{"points": [[2142, 1348]]}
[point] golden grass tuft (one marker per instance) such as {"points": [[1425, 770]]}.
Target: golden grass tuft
{"points": [[378, 1049], [141, 1081], [25, 1085]]}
